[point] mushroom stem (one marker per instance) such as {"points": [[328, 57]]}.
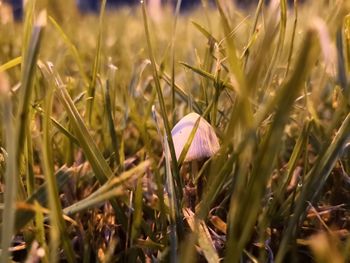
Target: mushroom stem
{"points": [[194, 170]]}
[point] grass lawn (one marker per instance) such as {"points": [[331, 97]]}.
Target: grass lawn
{"points": [[91, 169]]}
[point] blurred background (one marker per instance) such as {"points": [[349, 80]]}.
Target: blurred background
{"points": [[91, 6]]}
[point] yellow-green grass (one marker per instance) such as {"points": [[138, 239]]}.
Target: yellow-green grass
{"points": [[87, 163]]}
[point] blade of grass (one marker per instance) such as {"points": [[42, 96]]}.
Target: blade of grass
{"points": [[205, 241], [59, 126], [290, 53], [40, 231], [109, 112], [28, 72], [234, 62], [8, 214], [282, 187], [176, 175], [347, 40], [242, 112], [208, 75], [218, 176], [30, 180], [241, 219], [58, 230], [280, 42], [160, 182], [41, 196], [256, 72], [112, 188], [29, 7], [10, 64], [298, 149], [180, 91], [201, 29], [253, 30], [190, 138], [177, 11], [342, 78], [208, 60], [188, 249], [72, 48], [100, 166], [315, 181], [93, 154], [137, 212], [169, 183], [96, 65], [188, 143]]}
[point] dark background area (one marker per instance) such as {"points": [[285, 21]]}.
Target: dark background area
{"points": [[93, 5]]}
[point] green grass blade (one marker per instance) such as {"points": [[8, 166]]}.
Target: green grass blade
{"points": [[253, 30], [169, 184], [40, 231], [280, 43], [207, 75], [72, 48], [92, 152], [60, 127], [112, 188], [342, 78], [41, 196], [28, 73], [188, 249], [205, 241], [315, 180], [188, 143], [96, 65], [29, 8], [241, 219], [11, 170], [183, 95], [109, 112], [298, 149], [209, 58], [58, 230], [218, 176], [177, 11], [137, 212], [231, 49], [286, 180], [290, 53], [209, 36], [10, 64], [347, 40], [242, 112], [176, 175], [99, 164], [30, 180]]}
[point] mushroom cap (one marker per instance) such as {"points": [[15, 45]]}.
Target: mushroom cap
{"points": [[205, 142]]}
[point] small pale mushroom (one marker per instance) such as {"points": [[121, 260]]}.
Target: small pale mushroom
{"points": [[205, 142]]}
